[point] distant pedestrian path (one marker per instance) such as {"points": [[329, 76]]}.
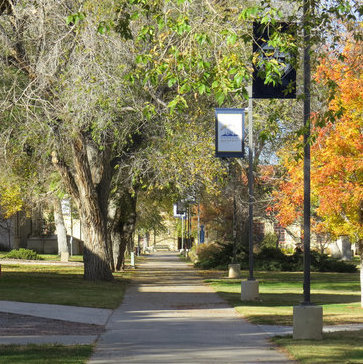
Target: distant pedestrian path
{"points": [[170, 316]]}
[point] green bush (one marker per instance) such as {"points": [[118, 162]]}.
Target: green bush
{"points": [[269, 241], [271, 254], [22, 254], [269, 265], [214, 255], [192, 254], [270, 259], [274, 259], [288, 250], [218, 256], [335, 265]]}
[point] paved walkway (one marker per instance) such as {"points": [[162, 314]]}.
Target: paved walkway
{"points": [[170, 316]]}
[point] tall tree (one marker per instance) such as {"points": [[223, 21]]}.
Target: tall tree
{"points": [[60, 81]]}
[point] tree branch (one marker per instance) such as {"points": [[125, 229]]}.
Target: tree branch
{"points": [[66, 175], [7, 6]]}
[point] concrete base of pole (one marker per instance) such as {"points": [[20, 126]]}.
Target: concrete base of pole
{"points": [[308, 322], [64, 256], [249, 290], [234, 270]]}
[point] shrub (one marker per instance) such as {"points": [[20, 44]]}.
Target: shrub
{"points": [[288, 251], [269, 241], [22, 254], [218, 255], [192, 254], [271, 253], [335, 265], [214, 255], [269, 265], [271, 259]]}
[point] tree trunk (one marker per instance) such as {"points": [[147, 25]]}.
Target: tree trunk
{"points": [[129, 223], [122, 220], [115, 233], [89, 185], [360, 247], [61, 229], [97, 252], [95, 256]]}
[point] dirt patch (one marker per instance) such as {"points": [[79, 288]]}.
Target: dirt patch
{"points": [[24, 325]]}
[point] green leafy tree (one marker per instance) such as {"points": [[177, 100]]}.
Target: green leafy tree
{"points": [[82, 81]]}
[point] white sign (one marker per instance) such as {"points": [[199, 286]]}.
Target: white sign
{"points": [[230, 132], [176, 214]]}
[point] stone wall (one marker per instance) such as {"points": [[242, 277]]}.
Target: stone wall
{"points": [[49, 245]]}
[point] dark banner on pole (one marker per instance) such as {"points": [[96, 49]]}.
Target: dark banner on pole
{"points": [[283, 60]]}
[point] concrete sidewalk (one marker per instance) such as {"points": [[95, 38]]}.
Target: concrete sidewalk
{"points": [[70, 314], [170, 316], [86, 315]]}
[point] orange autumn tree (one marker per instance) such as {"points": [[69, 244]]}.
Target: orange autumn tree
{"points": [[336, 155]]}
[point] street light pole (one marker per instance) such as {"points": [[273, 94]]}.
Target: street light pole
{"points": [[307, 76], [307, 318], [250, 287], [250, 186]]}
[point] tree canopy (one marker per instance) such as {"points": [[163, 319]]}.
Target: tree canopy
{"points": [[116, 97]]}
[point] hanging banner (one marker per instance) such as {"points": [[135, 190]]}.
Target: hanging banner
{"points": [[201, 234], [263, 52], [230, 132], [179, 210]]}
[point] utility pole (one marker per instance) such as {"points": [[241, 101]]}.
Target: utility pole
{"points": [[250, 186]]}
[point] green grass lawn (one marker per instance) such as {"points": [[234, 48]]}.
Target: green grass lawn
{"points": [[63, 285], [50, 257], [337, 347], [55, 257], [338, 293], [44, 354]]}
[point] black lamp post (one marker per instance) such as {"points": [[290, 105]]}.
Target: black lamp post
{"points": [[307, 76]]}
